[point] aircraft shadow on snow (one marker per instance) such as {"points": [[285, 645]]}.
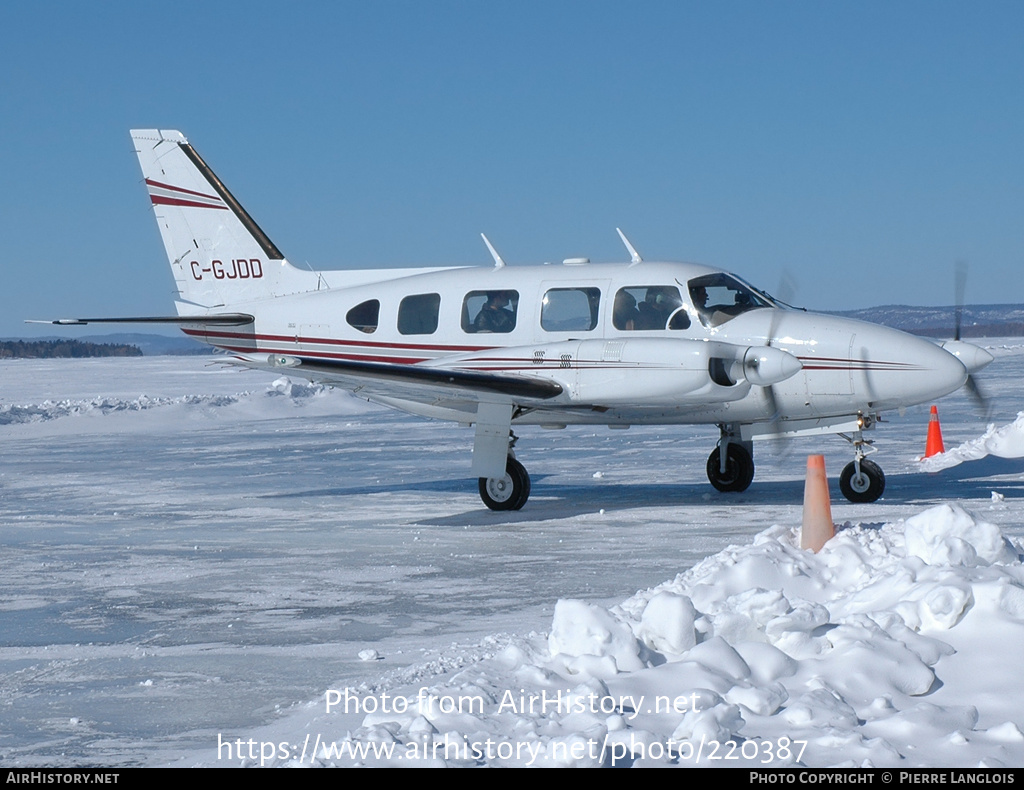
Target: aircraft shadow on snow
{"points": [[973, 480]]}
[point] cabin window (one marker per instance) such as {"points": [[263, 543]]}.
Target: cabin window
{"points": [[649, 307], [490, 311], [570, 309], [417, 315], [364, 316], [720, 297]]}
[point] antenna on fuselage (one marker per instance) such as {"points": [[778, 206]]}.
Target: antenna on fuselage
{"points": [[634, 256], [498, 262], [319, 277]]}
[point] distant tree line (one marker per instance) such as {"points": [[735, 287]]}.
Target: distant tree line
{"points": [[1008, 329], [49, 349]]}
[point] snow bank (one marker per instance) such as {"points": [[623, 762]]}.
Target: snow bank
{"points": [[895, 645], [54, 410], [1004, 442], [12, 414]]}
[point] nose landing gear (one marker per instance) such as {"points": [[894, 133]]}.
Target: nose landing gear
{"points": [[862, 480]]}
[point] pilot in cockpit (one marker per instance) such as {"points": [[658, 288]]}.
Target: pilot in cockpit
{"points": [[699, 295]]}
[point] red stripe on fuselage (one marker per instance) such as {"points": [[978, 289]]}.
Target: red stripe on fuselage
{"points": [[327, 341], [291, 352]]}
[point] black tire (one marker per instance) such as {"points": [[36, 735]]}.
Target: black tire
{"points": [[509, 492], [739, 469], [868, 487]]}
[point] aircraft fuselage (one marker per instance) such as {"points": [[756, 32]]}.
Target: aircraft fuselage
{"points": [[564, 328]]}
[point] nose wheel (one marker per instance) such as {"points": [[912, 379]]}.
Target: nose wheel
{"points": [[863, 484], [509, 492]]}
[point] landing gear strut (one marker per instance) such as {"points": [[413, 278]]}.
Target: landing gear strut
{"points": [[862, 480], [734, 471]]}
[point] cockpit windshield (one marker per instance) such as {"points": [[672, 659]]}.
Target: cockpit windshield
{"points": [[721, 297]]}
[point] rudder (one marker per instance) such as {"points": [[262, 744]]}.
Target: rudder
{"points": [[218, 254]]}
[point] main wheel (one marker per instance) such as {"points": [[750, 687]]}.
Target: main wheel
{"points": [[739, 468], [864, 487], [509, 492]]}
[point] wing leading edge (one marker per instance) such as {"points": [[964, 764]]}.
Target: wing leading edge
{"points": [[428, 378]]}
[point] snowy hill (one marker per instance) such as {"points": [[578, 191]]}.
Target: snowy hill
{"points": [[994, 320]]}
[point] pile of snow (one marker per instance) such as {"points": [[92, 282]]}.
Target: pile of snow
{"points": [[1004, 442], [13, 414], [53, 410], [297, 390], [895, 645]]}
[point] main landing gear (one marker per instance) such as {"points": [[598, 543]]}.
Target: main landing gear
{"points": [[738, 472], [509, 492], [731, 465]]}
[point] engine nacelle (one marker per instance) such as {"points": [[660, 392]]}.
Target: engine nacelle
{"points": [[764, 365], [665, 371], [973, 357]]}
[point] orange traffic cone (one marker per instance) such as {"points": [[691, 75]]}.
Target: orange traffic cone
{"points": [[817, 525], [934, 445]]}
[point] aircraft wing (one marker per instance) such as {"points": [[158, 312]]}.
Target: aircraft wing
{"points": [[426, 383]]}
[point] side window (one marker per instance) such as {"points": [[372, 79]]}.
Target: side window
{"points": [[364, 316], [570, 309], [649, 307], [490, 311], [417, 315]]}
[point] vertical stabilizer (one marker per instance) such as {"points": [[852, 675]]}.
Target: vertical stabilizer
{"points": [[218, 254]]}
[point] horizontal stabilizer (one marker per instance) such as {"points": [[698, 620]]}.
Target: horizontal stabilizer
{"points": [[217, 319]]}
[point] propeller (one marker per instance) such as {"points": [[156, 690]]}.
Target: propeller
{"points": [[785, 293], [973, 357], [959, 286]]}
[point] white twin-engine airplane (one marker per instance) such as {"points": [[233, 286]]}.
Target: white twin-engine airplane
{"points": [[639, 343]]}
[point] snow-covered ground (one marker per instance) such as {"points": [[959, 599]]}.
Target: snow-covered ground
{"points": [[196, 561]]}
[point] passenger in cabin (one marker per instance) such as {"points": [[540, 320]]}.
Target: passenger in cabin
{"points": [[624, 314], [495, 315], [659, 303]]}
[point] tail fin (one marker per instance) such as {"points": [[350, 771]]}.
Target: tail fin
{"points": [[218, 254]]}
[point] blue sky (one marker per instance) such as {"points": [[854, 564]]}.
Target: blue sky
{"points": [[861, 148]]}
